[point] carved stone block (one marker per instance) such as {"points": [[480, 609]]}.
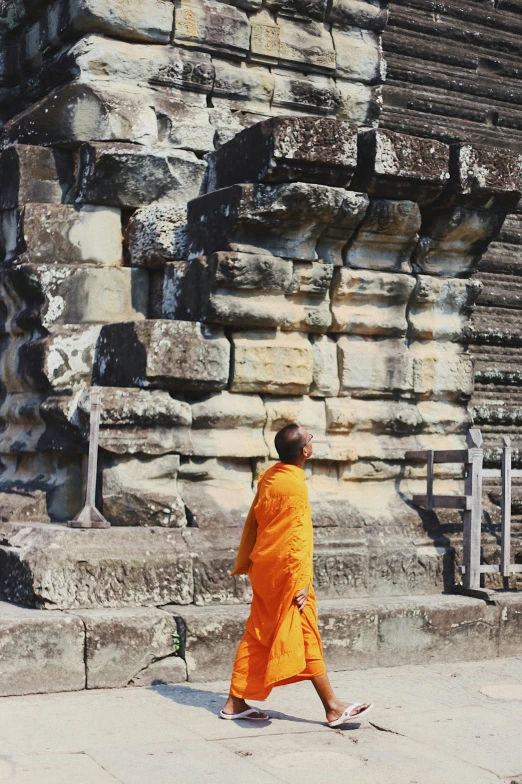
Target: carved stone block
{"points": [[306, 44], [441, 370], [174, 355], [358, 55], [313, 94], [370, 303], [283, 149], [272, 362], [240, 87], [386, 237], [211, 26], [124, 175], [282, 220]]}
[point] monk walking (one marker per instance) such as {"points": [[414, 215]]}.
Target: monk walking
{"points": [[281, 643]]}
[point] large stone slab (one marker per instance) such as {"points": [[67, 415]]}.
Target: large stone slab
{"points": [[142, 490], [283, 149], [281, 220], [358, 55], [149, 21], [217, 493], [228, 425], [271, 362], [365, 302], [175, 355], [249, 290], [440, 308], [157, 234], [399, 166], [34, 174], [67, 294], [124, 175], [53, 567], [121, 645], [374, 367], [386, 237], [40, 652], [60, 234]]}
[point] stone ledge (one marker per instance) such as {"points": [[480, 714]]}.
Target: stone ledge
{"points": [[363, 633]]}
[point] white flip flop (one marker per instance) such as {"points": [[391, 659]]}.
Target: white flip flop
{"points": [[244, 715], [346, 718]]}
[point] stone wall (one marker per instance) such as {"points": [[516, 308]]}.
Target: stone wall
{"points": [[200, 216]]}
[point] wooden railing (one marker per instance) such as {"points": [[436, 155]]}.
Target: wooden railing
{"points": [[471, 503]]}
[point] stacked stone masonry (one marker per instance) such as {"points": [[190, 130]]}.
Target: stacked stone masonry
{"points": [[204, 213]]}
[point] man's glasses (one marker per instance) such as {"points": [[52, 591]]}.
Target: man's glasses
{"points": [[307, 442]]}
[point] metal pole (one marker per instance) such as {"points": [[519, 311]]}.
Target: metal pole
{"points": [[505, 540], [473, 516]]}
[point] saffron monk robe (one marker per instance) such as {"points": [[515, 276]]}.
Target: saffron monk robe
{"points": [[281, 643]]}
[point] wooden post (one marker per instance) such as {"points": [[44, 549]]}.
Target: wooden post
{"points": [[505, 541], [429, 481], [90, 517], [473, 517]]}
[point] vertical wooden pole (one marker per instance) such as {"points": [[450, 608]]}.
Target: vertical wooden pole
{"points": [[90, 517], [94, 435], [430, 478], [505, 541], [473, 516]]}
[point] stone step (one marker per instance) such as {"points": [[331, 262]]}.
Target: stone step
{"points": [[49, 566], [363, 633], [51, 651]]}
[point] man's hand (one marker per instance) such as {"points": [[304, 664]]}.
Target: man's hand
{"points": [[301, 598]]}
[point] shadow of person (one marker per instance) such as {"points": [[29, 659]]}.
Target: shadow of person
{"points": [[213, 701]]}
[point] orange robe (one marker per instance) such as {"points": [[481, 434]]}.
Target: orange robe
{"points": [[280, 644]]}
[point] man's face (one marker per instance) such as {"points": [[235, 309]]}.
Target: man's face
{"points": [[307, 441]]}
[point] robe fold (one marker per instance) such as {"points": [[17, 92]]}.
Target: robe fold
{"points": [[280, 644]]}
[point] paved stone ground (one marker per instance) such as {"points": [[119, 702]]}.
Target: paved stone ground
{"points": [[431, 724]]}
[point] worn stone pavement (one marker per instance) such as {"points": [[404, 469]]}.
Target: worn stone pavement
{"points": [[431, 724]]}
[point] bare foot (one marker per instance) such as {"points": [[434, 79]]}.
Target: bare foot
{"points": [[334, 713], [236, 705]]}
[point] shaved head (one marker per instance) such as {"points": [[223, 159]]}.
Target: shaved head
{"points": [[289, 442]]}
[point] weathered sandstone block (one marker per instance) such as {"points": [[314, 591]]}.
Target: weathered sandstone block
{"points": [[340, 231], [441, 370], [139, 490], [161, 66], [217, 494], [78, 113], [316, 9], [168, 671], [124, 175], [140, 421], [121, 644], [360, 103], [326, 373], [440, 309], [386, 237], [370, 303], [399, 166], [282, 220], [228, 425], [59, 234], [315, 94], [271, 362], [306, 44], [211, 26], [484, 171], [240, 86], [150, 20], [283, 149], [358, 13], [176, 355], [34, 174], [374, 367], [156, 234], [249, 290], [358, 55], [452, 241], [40, 652], [181, 122], [73, 295], [63, 360]]}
